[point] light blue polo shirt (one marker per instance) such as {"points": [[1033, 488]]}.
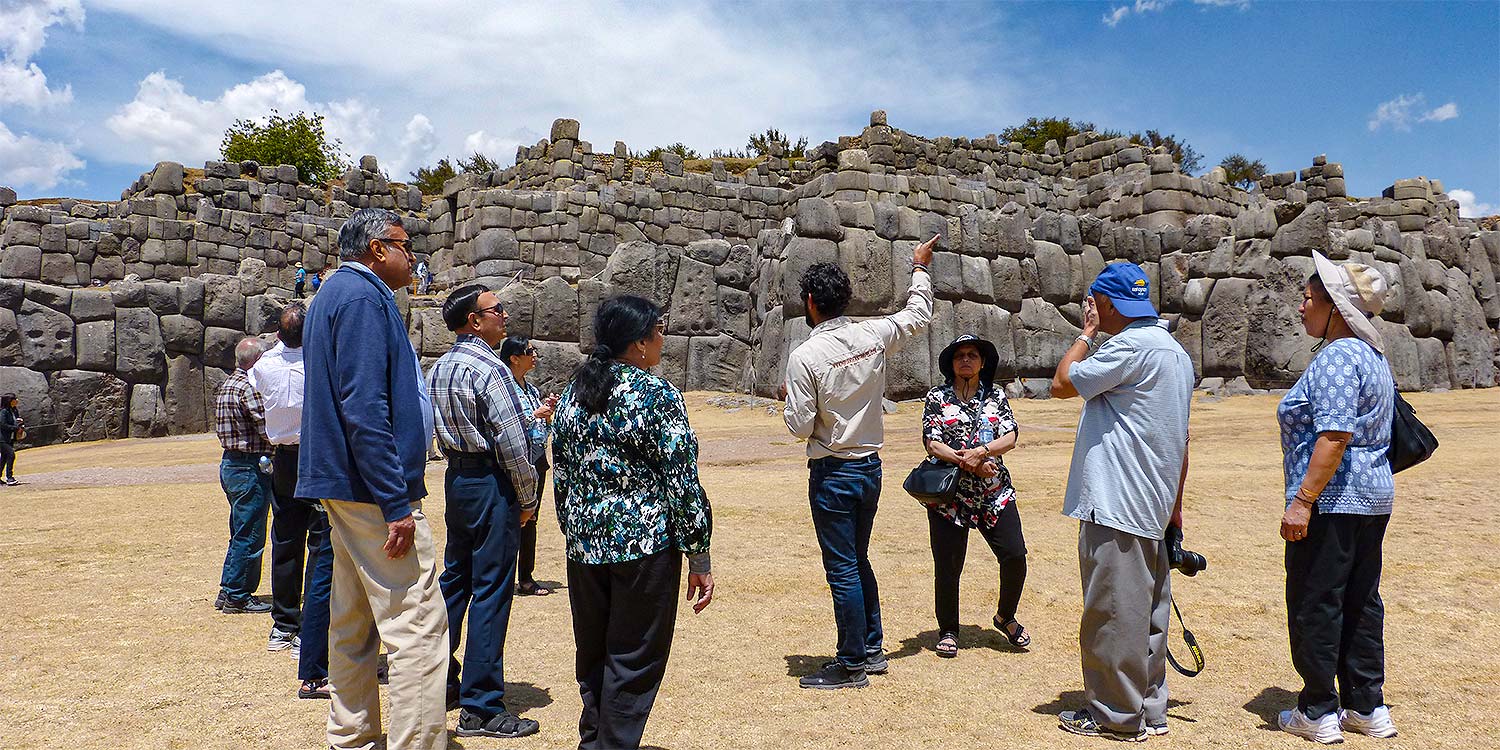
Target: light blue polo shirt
{"points": [[1132, 434]]}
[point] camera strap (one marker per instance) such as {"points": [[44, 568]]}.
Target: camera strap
{"points": [[1192, 644]]}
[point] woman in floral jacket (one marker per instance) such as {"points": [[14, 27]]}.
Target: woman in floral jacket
{"points": [[625, 478], [968, 421]]}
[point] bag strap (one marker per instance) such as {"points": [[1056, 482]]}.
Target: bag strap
{"points": [[1192, 644]]}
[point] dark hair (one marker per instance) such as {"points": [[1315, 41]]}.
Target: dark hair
{"points": [[5, 401], [619, 322], [829, 287], [289, 327], [1315, 283], [460, 303], [513, 346]]}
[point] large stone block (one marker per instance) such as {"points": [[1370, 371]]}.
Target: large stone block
{"points": [[642, 269], [223, 301], [94, 343], [801, 254], [30, 388], [92, 304], [556, 363], [1054, 273], [1433, 361], [263, 313], [717, 363], [555, 316], [10, 339], [139, 354], [180, 333], [817, 217], [148, 413], [166, 179], [218, 346], [1041, 336], [869, 261], [88, 405], [21, 261], [161, 297], [518, 300], [1402, 353], [1277, 349], [712, 252], [1009, 283], [46, 337], [184, 397], [495, 244], [908, 369], [1471, 354], [1303, 234], [430, 335], [1226, 323], [735, 270]]}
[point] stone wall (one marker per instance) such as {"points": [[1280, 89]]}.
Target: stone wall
{"points": [[193, 262]]}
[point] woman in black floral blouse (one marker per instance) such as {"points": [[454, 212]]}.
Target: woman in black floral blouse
{"points": [[625, 478], [968, 421]]}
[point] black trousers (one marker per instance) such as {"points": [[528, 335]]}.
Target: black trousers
{"points": [[623, 619], [297, 533], [527, 560], [1335, 618], [8, 458], [950, 544]]}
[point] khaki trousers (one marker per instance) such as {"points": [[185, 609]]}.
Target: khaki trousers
{"points": [[396, 602]]}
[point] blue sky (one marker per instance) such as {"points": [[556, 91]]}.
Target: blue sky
{"points": [[93, 94]]}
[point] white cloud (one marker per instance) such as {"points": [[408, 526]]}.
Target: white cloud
{"points": [[1405, 109], [1469, 205], [1448, 111], [33, 162], [1116, 15], [166, 122], [502, 148], [23, 33], [1241, 4], [417, 144]]}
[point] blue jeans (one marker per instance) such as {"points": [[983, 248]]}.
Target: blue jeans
{"points": [[313, 663], [249, 493], [479, 576], [844, 496]]}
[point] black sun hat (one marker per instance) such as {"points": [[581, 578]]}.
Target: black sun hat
{"points": [[987, 353]]}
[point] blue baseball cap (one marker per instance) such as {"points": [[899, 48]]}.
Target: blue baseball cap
{"points": [[1126, 285]]}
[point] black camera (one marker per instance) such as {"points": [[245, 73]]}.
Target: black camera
{"points": [[1184, 561]]}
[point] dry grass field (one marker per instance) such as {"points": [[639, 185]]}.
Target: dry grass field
{"points": [[110, 555]]}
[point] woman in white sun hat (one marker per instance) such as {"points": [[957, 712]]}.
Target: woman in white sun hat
{"points": [[1335, 429]]}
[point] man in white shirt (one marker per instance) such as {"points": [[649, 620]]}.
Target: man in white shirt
{"points": [[834, 390], [295, 522]]}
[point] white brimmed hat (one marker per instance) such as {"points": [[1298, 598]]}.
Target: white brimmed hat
{"points": [[1358, 293]]}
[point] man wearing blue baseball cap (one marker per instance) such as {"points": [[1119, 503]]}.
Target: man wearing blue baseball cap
{"points": [[1125, 489]]}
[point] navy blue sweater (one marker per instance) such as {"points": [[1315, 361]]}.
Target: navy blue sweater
{"points": [[362, 423]]}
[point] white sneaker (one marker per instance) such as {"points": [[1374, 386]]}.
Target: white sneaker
{"points": [[1156, 730], [1377, 723], [1324, 731]]}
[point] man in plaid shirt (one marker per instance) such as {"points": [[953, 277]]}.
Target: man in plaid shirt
{"points": [[240, 421], [490, 489]]}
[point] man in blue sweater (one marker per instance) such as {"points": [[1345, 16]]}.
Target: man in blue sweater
{"points": [[366, 424]]}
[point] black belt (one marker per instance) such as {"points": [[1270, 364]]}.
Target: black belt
{"points": [[242, 455], [470, 460]]}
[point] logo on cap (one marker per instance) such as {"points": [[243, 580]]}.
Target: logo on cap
{"points": [[1138, 289]]}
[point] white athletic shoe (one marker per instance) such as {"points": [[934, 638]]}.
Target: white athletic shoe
{"points": [[1324, 731], [1377, 723]]}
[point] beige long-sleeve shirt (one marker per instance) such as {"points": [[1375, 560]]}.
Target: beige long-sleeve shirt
{"points": [[835, 381]]}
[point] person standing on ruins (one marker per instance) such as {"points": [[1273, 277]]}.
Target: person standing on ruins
{"points": [[490, 491], [1125, 489], [296, 523], [240, 422], [366, 423], [834, 389]]}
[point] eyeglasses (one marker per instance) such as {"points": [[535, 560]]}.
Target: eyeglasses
{"points": [[496, 308], [404, 245], [530, 352]]}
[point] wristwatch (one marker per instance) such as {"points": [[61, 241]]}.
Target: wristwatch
{"points": [[1087, 340]]}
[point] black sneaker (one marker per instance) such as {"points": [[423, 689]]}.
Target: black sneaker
{"points": [[834, 676], [876, 664], [248, 606], [504, 724], [220, 600]]}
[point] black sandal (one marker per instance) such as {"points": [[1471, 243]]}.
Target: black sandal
{"points": [[314, 690], [1018, 637], [532, 588], [951, 650]]}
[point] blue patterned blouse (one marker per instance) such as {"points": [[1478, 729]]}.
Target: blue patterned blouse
{"points": [[1347, 388], [626, 481]]}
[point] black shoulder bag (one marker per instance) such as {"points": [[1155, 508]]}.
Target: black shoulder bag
{"points": [[933, 482], [1411, 441]]}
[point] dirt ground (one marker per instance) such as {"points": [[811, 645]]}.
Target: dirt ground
{"points": [[110, 555]]}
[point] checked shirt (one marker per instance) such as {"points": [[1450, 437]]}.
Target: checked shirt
{"points": [[240, 415], [474, 397]]}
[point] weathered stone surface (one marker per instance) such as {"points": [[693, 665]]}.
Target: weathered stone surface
{"points": [[166, 179], [88, 405], [21, 261], [1041, 336], [555, 316], [817, 217], [10, 338], [717, 363], [801, 254], [518, 301], [868, 259], [1303, 234], [92, 304], [1433, 361], [1402, 354], [712, 252], [1054, 273], [54, 297], [1471, 354], [255, 276], [46, 337], [429, 334], [263, 313], [218, 346], [148, 414], [496, 244], [223, 301], [1009, 283], [94, 343], [139, 355], [734, 315], [180, 333], [1277, 349], [556, 363], [642, 269], [735, 270], [184, 397], [30, 388], [1226, 323]]}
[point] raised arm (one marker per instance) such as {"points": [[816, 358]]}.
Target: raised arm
{"points": [[918, 311]]}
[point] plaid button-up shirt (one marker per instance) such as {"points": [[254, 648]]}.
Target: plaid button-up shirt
{"points": [[240, 415], [474, 398]]}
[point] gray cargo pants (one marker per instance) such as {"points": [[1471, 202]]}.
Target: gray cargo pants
{"points": [[1127, 594]]}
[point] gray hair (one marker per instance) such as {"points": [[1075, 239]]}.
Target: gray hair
{"points": [[248, 351], [366, 224]]}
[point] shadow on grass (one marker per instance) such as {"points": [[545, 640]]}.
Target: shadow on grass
{"points": [[969, 636], [523, 696], [1270, 702], [1071, 700], [802, 665]]}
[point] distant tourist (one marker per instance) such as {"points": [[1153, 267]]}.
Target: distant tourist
{"points": [[11, 424], [366, 422], [835, 385], [317, 281], [297, 523], [301, 281], [424, 277], [520, 353], [489, 491], [1125, 489], [630, 507], [1335, 431], [240, 422], [968, 421]]}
